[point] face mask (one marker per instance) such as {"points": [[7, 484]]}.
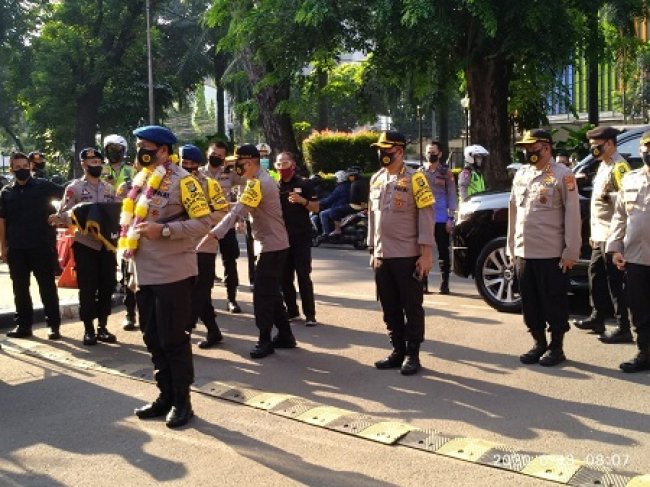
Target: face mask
{"points": [[532, 157], [646, 158], [433, 158], [94, 171], [264, 163], [191, 169], [286, 173], [478, 161], [385, 158], [146, 157], [597, 150], [113, 155], [22, 174], [39, 166], [215, 161]]}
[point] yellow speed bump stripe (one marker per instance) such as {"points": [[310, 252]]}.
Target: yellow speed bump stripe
{"points": [[387, 432], [267, 400], [641, 481], [469, 449], [557, 468], [322, 415]]}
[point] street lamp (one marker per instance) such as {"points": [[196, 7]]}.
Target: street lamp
{"points": [[464, 102]]}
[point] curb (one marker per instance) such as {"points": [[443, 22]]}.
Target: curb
{"points": [[69, 311]]}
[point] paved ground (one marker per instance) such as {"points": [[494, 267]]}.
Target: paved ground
{"points": [[62, 425]]}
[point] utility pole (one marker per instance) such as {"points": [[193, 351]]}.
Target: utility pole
{"points": [[150, 66]]}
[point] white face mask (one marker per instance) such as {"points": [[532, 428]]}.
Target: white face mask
{"points": [[265, 162]]}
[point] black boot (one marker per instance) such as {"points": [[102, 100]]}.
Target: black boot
{"points": [[181, 411], [444, 271], [103, 335], [20, 332], [411, 364], [638, 363], [262, 349], [594, 323], [90, 338], [396, 357], [213, 337], [160, 407], [621, 334], [533, 355], [555, 353], [54, 333], [284, 340], [129, 323]]}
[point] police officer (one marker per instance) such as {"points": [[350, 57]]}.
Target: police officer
{"points": [[544, 242], [298, 199], [261, 199], [228, 245], [606, 281], [119, 173], [37, 164], [191, 159], [629, 241], [95, 263], [159, 234], [470, 179], [443, 186], [400, 240], [28, 244]]}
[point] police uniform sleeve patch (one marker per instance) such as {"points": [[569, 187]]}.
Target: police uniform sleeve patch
{"points": [[421, 191], [252, 194], [193, 198], [570, 182], [216, 198]]}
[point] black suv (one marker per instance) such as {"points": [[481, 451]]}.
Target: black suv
{"points": [[479, 239]]}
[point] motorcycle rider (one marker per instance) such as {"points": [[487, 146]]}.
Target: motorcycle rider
{"points": [[337, 200], [470, 180]]}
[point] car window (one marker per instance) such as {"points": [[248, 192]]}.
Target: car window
{"points": [[630, 147]]}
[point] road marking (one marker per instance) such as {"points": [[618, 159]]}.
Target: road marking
{"points": [[557, 468]]}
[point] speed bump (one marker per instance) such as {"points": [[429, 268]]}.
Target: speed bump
{"points": [[557, 468], [387, 432], [267, 400], [468, 449], [641, 481], [322, 415]]}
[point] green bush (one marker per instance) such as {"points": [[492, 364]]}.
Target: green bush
{"points": [[328, 152]]}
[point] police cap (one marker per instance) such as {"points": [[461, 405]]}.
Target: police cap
{"points": [[390, 138], [156, 134], [90, 153], [603, 133], [192, 153], [246, 151], [535, 135]]}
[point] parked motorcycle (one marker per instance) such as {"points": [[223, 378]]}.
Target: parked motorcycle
{"points": [[354, 231]]}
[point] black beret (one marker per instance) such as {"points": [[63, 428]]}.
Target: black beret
{"points": [[90, 153], [603, 133]]}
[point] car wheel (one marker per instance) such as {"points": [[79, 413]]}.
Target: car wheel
{"points": [[495, 278]]}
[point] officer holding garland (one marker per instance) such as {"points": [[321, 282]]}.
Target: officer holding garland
{"points": [[400, 240], [163, 215]]}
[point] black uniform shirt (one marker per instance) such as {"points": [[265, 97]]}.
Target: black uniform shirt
{"points": [[25, 210], [296, 216]]}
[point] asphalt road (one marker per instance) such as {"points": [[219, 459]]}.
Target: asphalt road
{"points": [[62, 425]]}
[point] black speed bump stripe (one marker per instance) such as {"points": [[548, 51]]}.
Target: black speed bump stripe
{"points": [[555, 468]]}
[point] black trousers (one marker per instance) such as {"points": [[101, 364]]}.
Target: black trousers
{"points": [[400, 295], [298, 263], [638, 283], [543, 287], [606, 284], [442, 242], [129, 296], [267, 298], [202, 293], [23, 262], [229, 247], [96, 276], [164, 311]]}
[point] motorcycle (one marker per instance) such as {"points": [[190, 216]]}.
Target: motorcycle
{"points": [[354, 231]]}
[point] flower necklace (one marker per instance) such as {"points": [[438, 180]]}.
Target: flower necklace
{"points": [[135, 207]]}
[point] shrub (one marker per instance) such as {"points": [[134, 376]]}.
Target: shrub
{"points": [[330, 151]]}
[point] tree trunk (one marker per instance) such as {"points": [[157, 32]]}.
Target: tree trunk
{"points": [[488, 80], [14, 137], [442, 111], [86, 124], [323, 105], [592, 50], [220, 61]]}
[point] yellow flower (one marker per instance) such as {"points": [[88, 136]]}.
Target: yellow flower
{"points": [[127, 205], [141, 210]]}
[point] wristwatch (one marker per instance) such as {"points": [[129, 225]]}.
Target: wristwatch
{"points": [[166, 231]]}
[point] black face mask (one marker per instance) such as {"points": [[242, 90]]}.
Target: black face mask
{"points": [[191, 170], [113, 155], [94, 171], [146, 157], [433, 158], [215, 161], [532, 157], [646, 158], [385, 158], [597, 150], [22, 174]]}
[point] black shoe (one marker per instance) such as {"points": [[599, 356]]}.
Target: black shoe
{"points": [[160, 407], [310, 321], [594, 324], [90, 339], [103, 335], [411, 365], [129, 323], [533, 355], [393, 361], [618, 336], [262, 349], [54, 334], [637, 364], [553, 356], [284, 342], [180, 414], [20, 332], [233, 307], [210, 340], [444, 288]]}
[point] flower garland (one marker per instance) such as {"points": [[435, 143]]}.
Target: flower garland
{"points": [[135, 207]]}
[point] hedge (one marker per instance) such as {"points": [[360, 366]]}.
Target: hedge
{"points": [[330, 151]]}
